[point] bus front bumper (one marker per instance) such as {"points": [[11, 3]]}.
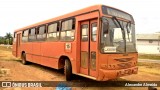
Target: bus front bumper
{"points": [[105, 75]]}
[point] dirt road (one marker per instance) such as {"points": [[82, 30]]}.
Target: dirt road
{"points": [[34, 72], [149, 60]]}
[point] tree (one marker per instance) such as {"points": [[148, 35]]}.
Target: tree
{"points": [[8, 38], [2, 40]]}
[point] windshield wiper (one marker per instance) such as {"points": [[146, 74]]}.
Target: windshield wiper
{"points": [[128, 24], [123, 32], [114, 18]]}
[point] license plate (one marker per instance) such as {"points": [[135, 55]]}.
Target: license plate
{"points": [[126, 72]]}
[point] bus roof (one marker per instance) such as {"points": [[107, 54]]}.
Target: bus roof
{"points": [[77, 12]]}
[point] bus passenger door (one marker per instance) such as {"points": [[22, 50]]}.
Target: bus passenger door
{"points": [[88, 47], [18, 44]]}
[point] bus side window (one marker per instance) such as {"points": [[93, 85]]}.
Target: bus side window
{"points": [[25, 36], [53, 32], [32, 34], [68, 30], [41, 33]]}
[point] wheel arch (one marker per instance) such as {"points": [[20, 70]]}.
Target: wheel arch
{"points": [[22, 53], [61, 61]]}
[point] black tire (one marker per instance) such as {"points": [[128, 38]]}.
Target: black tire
{"points": [[68, 70], [24, 62]]}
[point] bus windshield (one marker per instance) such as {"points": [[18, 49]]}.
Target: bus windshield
{"points": [[117, 36]]}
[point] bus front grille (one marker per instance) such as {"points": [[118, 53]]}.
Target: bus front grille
{"points": [[124, 65]]}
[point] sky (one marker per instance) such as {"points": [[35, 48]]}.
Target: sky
{"points": [[16, 14]]}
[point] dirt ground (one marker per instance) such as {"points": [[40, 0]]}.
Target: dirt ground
{"points": [[34, 72]]}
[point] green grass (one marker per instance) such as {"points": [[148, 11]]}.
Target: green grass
{"points": [[149, 56]]}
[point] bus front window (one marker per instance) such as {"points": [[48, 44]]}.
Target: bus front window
{"points": [[117, 36]]}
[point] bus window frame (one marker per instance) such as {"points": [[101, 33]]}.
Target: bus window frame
{"points": [[92, 31], [25, 36], [58, 31], [85, 40], [37, 33], [32, 35], [73, 23]]}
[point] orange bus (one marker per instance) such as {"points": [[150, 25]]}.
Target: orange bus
{"points": [[97, 42]]}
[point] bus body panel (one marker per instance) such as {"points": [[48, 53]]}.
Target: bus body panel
{"points": [[113, 65], [90, 18], [99, 66]]}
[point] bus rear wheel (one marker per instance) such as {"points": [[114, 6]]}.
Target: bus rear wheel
{"points": [[68, 70], [24, 62]]}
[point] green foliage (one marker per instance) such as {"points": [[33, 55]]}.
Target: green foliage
{"points": [[7, 39], [2, 40]]}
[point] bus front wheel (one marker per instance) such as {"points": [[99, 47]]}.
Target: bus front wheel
{"points": [[68, 70], [24, 62]]}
